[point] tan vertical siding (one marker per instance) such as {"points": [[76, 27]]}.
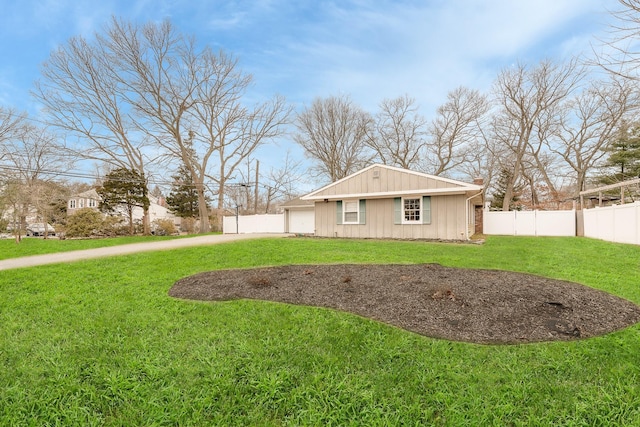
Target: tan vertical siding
{"points": [[448, 221], [388, 181]]}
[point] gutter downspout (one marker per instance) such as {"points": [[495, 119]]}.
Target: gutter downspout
{"points": [[466, 209]]}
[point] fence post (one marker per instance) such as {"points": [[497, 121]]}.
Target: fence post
{"points": [[237, 220]]}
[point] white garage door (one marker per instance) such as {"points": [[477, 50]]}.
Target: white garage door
{"points": [[302, 222]]}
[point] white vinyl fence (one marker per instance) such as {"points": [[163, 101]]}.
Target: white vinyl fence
{"points": [[620, 224], [247, 224], [530, 223]]}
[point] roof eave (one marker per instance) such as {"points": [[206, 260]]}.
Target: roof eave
{"points": [[388, 194]]}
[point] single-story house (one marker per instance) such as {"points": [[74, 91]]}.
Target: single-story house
{"points": [[299, 216], [382, 201]]}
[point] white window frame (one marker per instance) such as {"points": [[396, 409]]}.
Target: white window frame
{"points": [[346, 203], [404, 211], [92, 203], [72, 204]]}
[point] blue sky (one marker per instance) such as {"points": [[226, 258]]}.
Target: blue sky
{"points": [[304, 49]]}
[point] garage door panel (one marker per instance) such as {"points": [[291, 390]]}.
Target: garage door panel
{"points": [[302, 222]]}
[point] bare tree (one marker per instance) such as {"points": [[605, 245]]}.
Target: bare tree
{"points": [[12, 191], [620, 54], [191, 102], [282, 183], [538, 187], [146, 91], [237, 135], [527, 101], [35, 153], [397, 134], [484, 162], [455, 134], [588, 123], [31, 160], [85, 95], [15, 198], [11, 124], [259, 192], [333, 131]]}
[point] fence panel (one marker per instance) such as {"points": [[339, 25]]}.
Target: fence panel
{"points": [[620, 224], [530, 223], [591, 223], [247, 224], [625, 227], [500, 223], [556, 223], [525, 222]]}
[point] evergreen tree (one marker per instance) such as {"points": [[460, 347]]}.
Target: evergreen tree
{"points": [[624, 157], [501, 188], [183, 197], [124, 189]]}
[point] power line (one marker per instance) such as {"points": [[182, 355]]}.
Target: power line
{"points": [[76, 174]]}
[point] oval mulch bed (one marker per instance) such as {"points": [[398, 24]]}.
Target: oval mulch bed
{"points": [[480, 306]]}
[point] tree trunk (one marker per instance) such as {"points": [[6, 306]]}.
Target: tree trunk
{"points": [[511, 185], [131, 230], [146, 221], [203, 212], [146, 218]]}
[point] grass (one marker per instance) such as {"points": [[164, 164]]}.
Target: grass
{"points": [[100, 343], [37, 246]]}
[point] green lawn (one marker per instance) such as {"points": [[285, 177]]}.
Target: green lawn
{"points": [[100, 343], [38, 246]]}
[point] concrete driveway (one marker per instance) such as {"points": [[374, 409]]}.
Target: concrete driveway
{"points": [[61, 257]]}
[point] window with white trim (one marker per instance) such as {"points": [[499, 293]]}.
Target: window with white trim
{"points": [[350, 212], [92, 203], [411, 208], [72, 204]]}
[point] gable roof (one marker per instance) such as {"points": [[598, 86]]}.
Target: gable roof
{"points": [[382, 181], [297, 203], [93, 194], [89, 194]]}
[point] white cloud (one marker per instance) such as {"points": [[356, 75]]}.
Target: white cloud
{"points": [[369, 49], [385, 49]]}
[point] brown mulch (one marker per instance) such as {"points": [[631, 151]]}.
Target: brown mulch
{"points": [[480, 306]]}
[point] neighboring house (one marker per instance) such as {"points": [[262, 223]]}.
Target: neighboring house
{"points": [[299, 216], [388, 202], [91, 199], [86, 199]]}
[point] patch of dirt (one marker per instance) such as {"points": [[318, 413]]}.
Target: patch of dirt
{"points": [[480, 306]]}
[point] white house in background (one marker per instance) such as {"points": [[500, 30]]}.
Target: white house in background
{"points": [[86, 199], [91, 199]]}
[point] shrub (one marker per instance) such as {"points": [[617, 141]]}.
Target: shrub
{"points": [[84, 223], [187, 225], [216, 222], [163, 227], [112, 226]]}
